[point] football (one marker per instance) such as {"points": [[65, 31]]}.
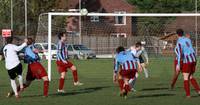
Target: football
{"points": [[84, 11]]}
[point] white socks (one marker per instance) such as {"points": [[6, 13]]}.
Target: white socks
{"points": [[132, 82], [146, 73], [14, 87], [20, 81]]}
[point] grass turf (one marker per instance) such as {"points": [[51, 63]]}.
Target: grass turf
{"points": [[98, 88]]}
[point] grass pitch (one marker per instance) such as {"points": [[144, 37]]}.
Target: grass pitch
{"points": [[98, 88]]}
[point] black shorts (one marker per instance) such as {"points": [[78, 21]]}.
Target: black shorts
{"points": [[13, 73], [141, 59]]}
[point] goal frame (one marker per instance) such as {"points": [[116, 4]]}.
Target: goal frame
{"points": [[50, 14]]}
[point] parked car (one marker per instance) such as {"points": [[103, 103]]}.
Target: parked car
{"points": [[43, 50], [79, 51]]}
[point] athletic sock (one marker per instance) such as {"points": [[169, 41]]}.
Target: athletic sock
{"points": [[132, 82], [61, 83], [14, 86], [20, 81], [75, 75], [127, 88], [46, 88], [195, 84], [146, 73], [121, 84], [187, 87]]}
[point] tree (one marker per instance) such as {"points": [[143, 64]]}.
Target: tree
{"points": [[155, 25]]}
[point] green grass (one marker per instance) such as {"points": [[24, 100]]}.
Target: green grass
{"points": [[98, 88]]}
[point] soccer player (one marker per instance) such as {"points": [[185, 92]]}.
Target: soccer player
{"points": [[35, 69], [141, 54], [136, 52], [63, 63], [142, 58], [13, 64], [176, 73], [125, 68], [186, 53]]}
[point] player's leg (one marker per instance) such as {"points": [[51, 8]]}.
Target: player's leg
{"points": [[121, 83], [193, 80], [14, 87], [61, 82], [62, 68], [46, 85], [27, 83], [20, 79], [132, 81], [40, 73], [195, 84], [13, 74], [126, 87], [75, 76], [146, 73], [175, 76], [186, 84]]}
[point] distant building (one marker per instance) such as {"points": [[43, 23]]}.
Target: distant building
{"points": [[100, 26]]}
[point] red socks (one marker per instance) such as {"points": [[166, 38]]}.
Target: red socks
{"points": [[61, 83], [121, 84], [187, 87], [127, 88], [46, 88], [75, 75], [195, 84]]}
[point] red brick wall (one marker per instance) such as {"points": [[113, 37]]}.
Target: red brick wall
{"points": [[110, 6]]}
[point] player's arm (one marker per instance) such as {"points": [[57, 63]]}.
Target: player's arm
{"points": [[146, 56], [60, 55], [116, 69], [178, 51], [19, 48]]}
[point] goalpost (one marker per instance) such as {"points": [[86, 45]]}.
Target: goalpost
{"points": [[50, 14]]}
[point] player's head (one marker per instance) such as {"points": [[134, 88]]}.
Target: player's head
{"points": [[30, 41], [9, 40], [120, 49], [187, 35], [180, 32], [138, 46], [62, 36]]}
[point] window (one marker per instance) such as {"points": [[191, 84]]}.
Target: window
{"points": [[120, 20], [53, 47], [69, 48], [39, 47], [119, 35], [94, 18]]}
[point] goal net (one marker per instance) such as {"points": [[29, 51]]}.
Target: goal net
{"points": [[103, 32]]}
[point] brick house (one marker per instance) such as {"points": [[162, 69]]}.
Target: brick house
{"points": [[115, 26]]}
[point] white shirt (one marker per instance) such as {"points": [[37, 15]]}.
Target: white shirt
{"points": [[10, 54]]}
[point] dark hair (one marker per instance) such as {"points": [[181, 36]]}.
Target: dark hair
{"points": [[30, 41], [138, 44], [180, 32], [61, 34], [9, 40], [120, 49]]}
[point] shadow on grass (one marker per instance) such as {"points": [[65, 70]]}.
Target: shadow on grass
{"points": [[153, 89], [154, 95], [74, 92]]}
